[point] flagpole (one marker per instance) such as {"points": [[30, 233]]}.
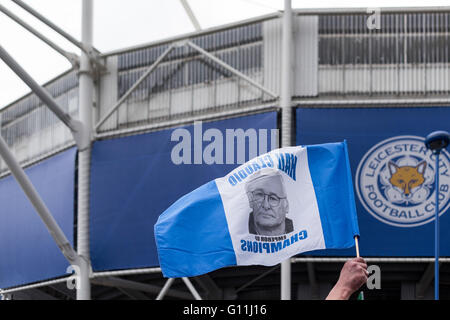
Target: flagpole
{"points": [[361, 293], [436, 141], [357, 246]]}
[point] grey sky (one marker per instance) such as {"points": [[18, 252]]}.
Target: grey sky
{"points": [[119, 24]]}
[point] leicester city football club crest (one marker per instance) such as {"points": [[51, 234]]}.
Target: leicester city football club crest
{"points": [[395, 182]]}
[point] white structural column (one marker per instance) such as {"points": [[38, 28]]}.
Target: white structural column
{"points": [[86, 94], [286, 119]]}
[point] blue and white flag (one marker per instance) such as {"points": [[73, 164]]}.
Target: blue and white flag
{"points": [[280, 204]]}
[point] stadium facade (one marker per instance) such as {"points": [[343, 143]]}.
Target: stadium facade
{"points": [[382, 88]]}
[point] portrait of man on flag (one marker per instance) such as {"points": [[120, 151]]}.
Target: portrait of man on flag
{"points": [[267, 197]]}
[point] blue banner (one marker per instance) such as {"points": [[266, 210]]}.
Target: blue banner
{"points": [[392, 171], [28, 252], [135, 179]]}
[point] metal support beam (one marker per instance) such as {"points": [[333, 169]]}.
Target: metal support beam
{"points": [[143, 287], [191, 288], [36, 285], [231, 69], [50, 24], [164, 290], [286, 119], [191, 15], [134, 87], [6, 296], [425, 281], [75, 126], [188, 120], [213, 292], [286, 77], [89, 50], [315, 294], [72, 57]]}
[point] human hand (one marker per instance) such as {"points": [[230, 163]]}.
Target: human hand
{"points": [[353, 275]]}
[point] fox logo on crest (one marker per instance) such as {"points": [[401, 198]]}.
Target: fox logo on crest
{"points": [[407, 178]]}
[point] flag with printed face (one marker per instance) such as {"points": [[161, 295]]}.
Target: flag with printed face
{"points": [[282, 203]]}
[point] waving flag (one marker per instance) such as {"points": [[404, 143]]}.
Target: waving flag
{"points": [[280, 204]]}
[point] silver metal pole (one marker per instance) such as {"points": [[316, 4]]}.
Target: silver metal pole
{"points": [[75, 126], [191, 15], [286, 119], [165, 288], [29, 190], [86, 92], [72, 57], [35, 285], [44, 20], [191, 288], [134, 86], [37, 89], [436, 232], [231, 69]]}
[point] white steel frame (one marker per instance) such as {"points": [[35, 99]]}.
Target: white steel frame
{"points": [[83, 130], [81, 133]]}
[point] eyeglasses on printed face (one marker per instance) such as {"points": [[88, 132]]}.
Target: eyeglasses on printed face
{"points": [[259, 196]]}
